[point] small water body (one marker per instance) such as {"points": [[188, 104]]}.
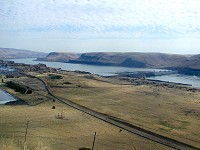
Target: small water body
{"points": [[110, 71], [179, 78], [5, 97]]}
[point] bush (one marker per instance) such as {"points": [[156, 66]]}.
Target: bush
{"points": [[66, 82], [89, 76], [19, 88], [52, 76], [83, 148]]}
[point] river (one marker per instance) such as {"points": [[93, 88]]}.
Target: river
{"points": [[110, 71], [100, 70], [5, 97]]}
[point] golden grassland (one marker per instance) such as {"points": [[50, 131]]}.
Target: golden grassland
{"points": [[71, 132], [172, 112]]}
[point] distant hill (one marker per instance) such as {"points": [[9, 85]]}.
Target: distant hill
{"points": [[134, 59], [128, 59], [193, 62], [186, 64], [11, 53], [60, 57]]}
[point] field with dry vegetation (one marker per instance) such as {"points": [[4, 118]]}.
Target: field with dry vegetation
{"points": [[171, 112]]}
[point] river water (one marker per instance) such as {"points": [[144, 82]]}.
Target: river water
{"points": [[110, 71], [100, 70], [179, 78], [5, 97]]}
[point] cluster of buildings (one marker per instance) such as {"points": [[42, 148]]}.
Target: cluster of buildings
{"points": [[11, 69]]}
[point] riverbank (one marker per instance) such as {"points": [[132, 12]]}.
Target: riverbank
{"points": [[6, 97], [110, 71]]}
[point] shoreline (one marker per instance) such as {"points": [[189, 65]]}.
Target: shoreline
{"points": [[137, 74], [180, 70], [164, 71], [16, 100], [160, 81]]}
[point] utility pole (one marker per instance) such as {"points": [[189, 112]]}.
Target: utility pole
{"points": [[94, 141]]}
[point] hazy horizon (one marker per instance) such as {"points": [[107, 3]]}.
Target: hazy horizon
{"points": [[167, 26], [82, 52]]}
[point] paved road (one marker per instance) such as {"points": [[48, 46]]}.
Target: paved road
{"points": [[123, 124]]}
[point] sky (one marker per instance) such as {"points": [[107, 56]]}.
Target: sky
{"points": [[167, 26]]}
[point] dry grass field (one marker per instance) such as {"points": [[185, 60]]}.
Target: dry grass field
{"points": [[71, 132], [171, 112]]}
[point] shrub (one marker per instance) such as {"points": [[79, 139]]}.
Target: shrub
{"points": [[52, 76], [19, 88], [83, 148], [66, 82]]}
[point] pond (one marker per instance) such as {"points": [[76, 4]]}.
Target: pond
{"points": [[5, 97]]}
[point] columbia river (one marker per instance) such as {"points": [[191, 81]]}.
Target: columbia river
{"points": [[111, 71]]}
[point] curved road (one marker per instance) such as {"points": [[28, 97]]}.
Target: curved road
{"points": [[123, 124]]}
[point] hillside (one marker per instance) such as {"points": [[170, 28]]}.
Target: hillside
{"points": [[60, 57], [11, 53], [193, 62], [150, 60], [129, 59]]}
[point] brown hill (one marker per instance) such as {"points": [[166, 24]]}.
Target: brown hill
{"points": [[150, 60], [60, 57], [11, 53], [193, 62], [131, 59]]}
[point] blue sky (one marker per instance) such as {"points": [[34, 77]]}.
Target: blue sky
{"points": [[168, 26]]}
